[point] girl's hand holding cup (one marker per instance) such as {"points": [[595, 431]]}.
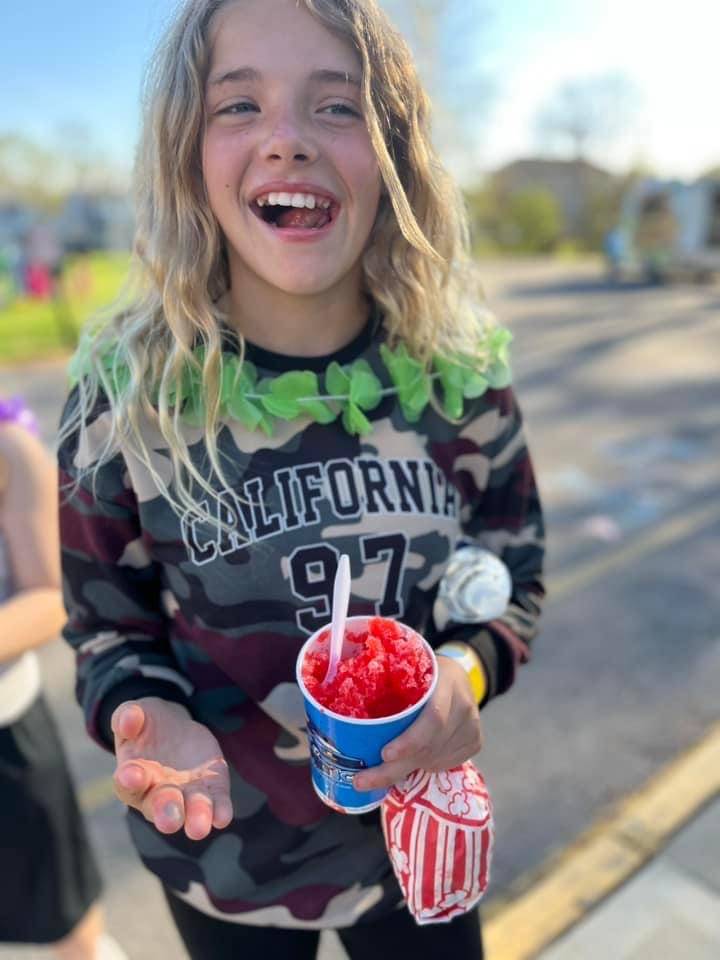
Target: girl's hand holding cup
{"points": [[447, 732], [170, 768]]}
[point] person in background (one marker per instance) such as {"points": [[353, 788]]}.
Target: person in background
{"points": [[44, 256], [260, 407], [50, 886], [8, 288]]}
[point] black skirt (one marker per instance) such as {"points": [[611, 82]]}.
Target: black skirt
{"points": [[48, 874]]}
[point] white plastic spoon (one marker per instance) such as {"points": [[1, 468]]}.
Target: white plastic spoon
{"points": [[341, 598]]}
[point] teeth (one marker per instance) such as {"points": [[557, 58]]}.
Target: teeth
{"points": [[308, 200], [301, 200]]}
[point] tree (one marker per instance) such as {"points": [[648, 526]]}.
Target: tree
{"points": [[533, 223], [26, 172], [586, 112], [524, 221], [41, 175], [446, 39]]}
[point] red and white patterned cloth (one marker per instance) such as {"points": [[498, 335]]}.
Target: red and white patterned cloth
{"points": [[439, 834]]}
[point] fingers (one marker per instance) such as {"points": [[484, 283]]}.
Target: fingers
{"points": [[447, 732], [411, 751], [436, 722], [168, 806], [194, 808], [198, 812], [383, 777], [222, 812], [219, 790], [422, 732], [387, 774], [164, 806], [197, 806], [407, 752], [160, 803], [127, 722], [131, 782], [208, 805]]}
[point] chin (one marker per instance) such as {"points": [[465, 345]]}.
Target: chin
{"points": [[302, 285]]}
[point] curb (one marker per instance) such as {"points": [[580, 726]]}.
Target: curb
{"points": [[607, 854]]}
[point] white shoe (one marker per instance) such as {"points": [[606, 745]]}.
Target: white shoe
{"points": [[110, 949]]}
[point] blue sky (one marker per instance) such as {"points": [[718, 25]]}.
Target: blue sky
{"points": [[78, 63], [65, 66]]}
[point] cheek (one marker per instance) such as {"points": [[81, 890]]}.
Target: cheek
{"points": [[219, 158], [367, 182], [209, 172], [372, 194], [369, 171]]}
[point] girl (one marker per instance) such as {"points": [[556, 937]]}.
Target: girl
{"points": [[302, 372], [51, 883]]}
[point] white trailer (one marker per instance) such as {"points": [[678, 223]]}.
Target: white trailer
{"points": [[668, 229]]}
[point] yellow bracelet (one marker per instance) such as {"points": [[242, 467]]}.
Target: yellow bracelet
{"points": [[471, 663]]}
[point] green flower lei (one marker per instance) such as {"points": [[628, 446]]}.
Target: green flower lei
{"points": [[341, 391]]}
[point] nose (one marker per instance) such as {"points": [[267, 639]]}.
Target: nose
{"points": [[289, 141]]}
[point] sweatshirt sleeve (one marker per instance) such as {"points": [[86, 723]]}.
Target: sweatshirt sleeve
{"points": [[112, 594], [501, 511]]}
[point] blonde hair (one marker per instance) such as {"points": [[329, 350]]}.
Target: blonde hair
{"points": [[416, 266]]}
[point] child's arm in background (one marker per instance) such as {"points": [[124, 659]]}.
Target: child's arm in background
{"points": [[34, 614]]}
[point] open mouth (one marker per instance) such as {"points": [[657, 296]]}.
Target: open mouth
{"points": [[295, 211]]}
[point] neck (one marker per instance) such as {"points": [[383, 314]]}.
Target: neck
{"points": [[296, 325]]}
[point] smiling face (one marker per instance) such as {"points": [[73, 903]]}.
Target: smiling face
{"points": [[290, 171]]}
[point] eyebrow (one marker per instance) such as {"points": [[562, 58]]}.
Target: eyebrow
{"points": [[334, 76], [250, 75], [240, 75]]}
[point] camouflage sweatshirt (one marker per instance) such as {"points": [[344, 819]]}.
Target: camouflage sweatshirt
{"points": [[160, 604]]}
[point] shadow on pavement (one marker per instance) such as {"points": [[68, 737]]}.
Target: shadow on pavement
{"points": [[577, 287]]}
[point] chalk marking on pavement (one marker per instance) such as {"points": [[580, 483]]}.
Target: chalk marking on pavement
{"points": [[661, 535], [96, 793], [607, 854]]}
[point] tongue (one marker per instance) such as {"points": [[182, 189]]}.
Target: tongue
{"points": [[303, 217]]}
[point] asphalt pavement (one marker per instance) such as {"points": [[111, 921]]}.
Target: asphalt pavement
{"points": [[621, 396]]}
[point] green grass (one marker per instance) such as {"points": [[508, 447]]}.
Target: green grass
{"points": [[34, 330]]}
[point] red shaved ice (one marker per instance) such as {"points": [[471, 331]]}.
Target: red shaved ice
{"points": [[389, 670]]}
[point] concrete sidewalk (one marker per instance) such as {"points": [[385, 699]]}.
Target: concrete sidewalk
{"points": [[670, 910], [642, 885]]}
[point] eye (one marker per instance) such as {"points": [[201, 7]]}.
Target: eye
{"points": [[242, 106], [340, 110]]}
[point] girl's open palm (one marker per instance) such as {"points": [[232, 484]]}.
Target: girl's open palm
{"points": [[170, 768]]}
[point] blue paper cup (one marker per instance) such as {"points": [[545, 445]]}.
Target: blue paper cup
{"points": [[341, 746]]}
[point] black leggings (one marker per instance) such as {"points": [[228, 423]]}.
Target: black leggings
{"points": [[396, 935]]}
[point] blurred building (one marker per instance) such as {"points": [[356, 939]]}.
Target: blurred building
{"points": [[96, 222], [16, 221], [578, 186], [86, 221]]}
